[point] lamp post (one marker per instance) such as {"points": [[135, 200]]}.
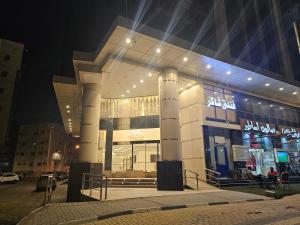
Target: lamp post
{"points": [[56, 156]]}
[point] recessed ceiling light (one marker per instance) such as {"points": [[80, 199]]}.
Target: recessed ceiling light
{"points": [[158, 50], [281, 108], [141, 81], [185, 59], [150, 74], [295, 93], [249, 78], [259, 103], [69, 120], [208, 66], [228, 72], [67, 106], [128, 41], [122, 95], [246, 99], [134, 86], [281, 89], [128, 91], [68, 111], [271, 105], [267, 84]]}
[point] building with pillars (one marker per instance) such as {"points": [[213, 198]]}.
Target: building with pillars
{"points": [[144, 98]]}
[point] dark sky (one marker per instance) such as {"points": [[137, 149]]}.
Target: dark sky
{"points": [[50, 31]]}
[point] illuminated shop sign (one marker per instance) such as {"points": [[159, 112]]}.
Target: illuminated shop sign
{"points": [[249, 125], [290, 132], [220, 102], [254, 126]]}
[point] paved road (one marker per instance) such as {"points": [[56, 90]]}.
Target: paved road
{"points": [[285, 212], [18, 200]]}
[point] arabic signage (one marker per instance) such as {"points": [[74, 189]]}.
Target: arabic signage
{"points": [[290, 132], [265, 128], [220, 102]]}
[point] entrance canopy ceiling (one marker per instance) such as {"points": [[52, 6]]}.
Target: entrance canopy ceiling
{"points": [[131, 61], [126, 57]]}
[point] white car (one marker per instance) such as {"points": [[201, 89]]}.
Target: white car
{"points": [[9, 177]]}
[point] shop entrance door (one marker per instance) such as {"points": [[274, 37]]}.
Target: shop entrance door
{"points": [[222, 160]]}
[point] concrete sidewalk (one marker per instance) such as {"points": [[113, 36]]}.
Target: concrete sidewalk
{"points": [[83, 212]]}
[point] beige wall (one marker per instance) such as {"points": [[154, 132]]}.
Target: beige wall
{"points": [[191, 121]]}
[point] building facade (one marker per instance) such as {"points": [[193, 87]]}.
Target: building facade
{"points": [[10, 64], [144, 98], [43, 148]]}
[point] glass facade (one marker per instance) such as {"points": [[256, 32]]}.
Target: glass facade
{"points": [[219, 104], [268, 131], [135, 157]]}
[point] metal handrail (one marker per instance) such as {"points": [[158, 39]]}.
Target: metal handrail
{"points": [[196, 177], [93, 181], [213, 177]]}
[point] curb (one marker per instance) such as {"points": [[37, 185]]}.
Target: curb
{"points": [[23, 220], [163, 208]]}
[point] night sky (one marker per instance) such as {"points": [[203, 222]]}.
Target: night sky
{"points": [[50, 32]]}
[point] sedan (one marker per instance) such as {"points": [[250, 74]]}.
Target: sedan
{"points": [[9, 178]]}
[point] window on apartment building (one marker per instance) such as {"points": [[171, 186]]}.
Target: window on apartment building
{"points": [[30, 164], [19, 164], [1, 90], [6, 57], [39, 164], [44, 163], [21, 153], [24, 164], [31, 153], [24, 143], [4, 73], [42, 142]]}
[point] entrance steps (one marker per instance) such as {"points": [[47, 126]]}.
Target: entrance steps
{"points": [[132, 182]]}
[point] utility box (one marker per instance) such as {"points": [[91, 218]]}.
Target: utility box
{"points": [[75, 178], [170, 175]]}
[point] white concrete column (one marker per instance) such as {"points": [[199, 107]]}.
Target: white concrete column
{"points": [[89, 127], [169, 115]]}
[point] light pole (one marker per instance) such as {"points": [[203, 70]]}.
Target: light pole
{"points": [[49, 145]]}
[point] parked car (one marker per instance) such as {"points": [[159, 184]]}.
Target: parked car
{"points": [[9, 178], [60, 176], [41, 183]]}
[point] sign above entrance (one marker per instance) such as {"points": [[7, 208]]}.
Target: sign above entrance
{"points": [[220, 102], [255, 126]]}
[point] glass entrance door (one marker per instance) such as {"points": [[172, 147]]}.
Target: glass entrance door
{"points": [[137, 157]]}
